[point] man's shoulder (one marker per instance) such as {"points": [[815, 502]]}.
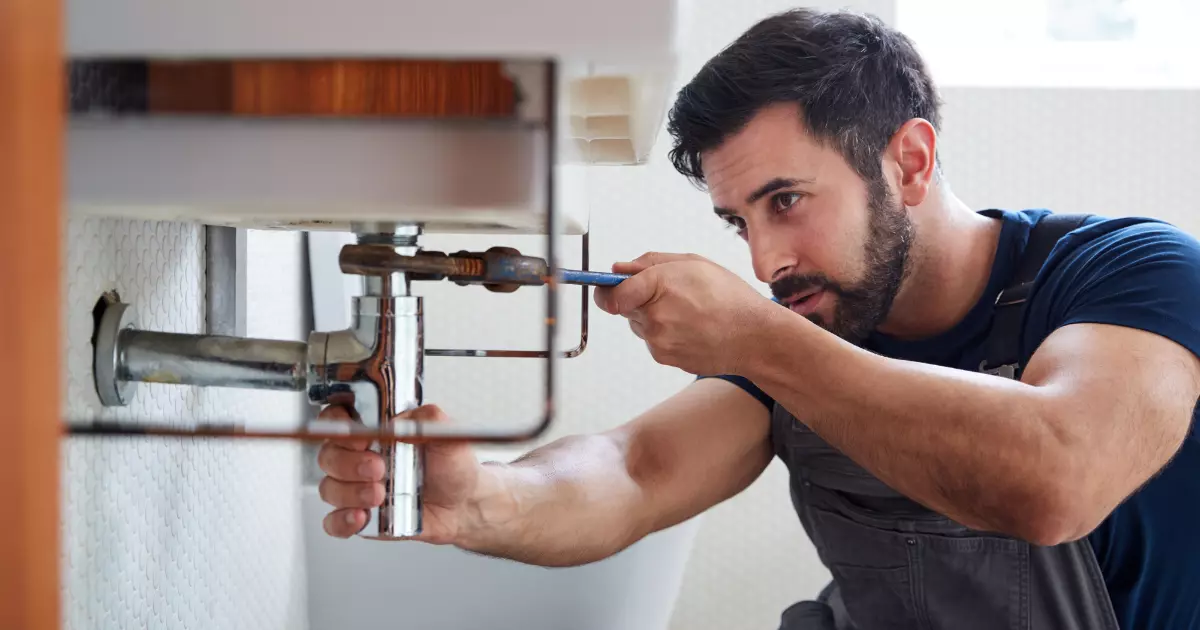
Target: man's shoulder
{"points": [[1098, 224], [1091, 225], [1079, 229], [1129, 271], [1103, 244]]}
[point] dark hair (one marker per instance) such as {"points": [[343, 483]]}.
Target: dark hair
{"points": [[855, 79]]}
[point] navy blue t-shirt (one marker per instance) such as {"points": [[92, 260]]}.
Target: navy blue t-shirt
{"points": [[1134, 272]]}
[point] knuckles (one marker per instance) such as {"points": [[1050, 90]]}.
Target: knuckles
{"points": [[424, 412], [435, 412]]}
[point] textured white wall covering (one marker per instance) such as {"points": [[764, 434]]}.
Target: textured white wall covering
{"points": [[178, 533]]}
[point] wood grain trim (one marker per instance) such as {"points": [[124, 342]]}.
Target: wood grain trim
{"points": [[332, 88], [189, 87], [31, 154]]}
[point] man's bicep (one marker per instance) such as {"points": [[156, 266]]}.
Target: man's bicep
{"points": [[1124, 307], [699, 447], [1123, 398]]}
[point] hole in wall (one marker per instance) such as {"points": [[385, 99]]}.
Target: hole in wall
{"points": [[108, 298]]}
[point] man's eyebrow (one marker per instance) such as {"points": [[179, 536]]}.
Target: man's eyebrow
{"points": [[779, 183]]}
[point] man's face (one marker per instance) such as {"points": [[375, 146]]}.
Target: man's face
{"points": [[832, 247]]}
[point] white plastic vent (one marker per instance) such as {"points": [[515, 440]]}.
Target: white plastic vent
{"points": [[614, 118]]}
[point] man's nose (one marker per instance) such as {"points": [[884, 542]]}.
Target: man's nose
{"points": [[769, 255]]}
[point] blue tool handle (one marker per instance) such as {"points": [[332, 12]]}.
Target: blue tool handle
{"points": [[591, 278]]}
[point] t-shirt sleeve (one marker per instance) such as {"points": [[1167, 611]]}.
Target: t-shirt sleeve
{"points": [[1143, 275], [748, 386]]}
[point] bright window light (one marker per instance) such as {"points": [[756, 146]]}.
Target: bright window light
{"points": [[1057, 43]]}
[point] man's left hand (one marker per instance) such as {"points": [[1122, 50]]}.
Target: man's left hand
{"points": [[692, 313]]}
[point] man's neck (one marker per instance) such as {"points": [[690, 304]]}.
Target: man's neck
{"points": [[949, 267]]}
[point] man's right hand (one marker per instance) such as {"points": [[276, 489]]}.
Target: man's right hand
{"points": [[354, 482], [578, 499]]}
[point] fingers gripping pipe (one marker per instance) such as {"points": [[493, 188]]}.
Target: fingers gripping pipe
{"points": [[377, 363]]}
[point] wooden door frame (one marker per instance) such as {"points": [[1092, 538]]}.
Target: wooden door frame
{"points": [[31, 215]]}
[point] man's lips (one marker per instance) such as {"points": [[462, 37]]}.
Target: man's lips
{"points": [[805, 303]]}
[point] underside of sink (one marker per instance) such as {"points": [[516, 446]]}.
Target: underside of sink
{"points": [[320, 175]]}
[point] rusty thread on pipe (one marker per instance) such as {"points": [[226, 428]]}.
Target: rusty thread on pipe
{"points": [[374, 260]]}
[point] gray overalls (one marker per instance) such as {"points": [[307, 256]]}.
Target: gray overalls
{"points": [[897, 565]]}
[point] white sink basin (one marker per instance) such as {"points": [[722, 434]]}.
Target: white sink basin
{"points": [[356, 583]]}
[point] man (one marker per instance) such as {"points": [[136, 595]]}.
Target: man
{"points": [[998, 433]]}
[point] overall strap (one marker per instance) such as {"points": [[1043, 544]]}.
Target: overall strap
{"points": [[1003, 344]]}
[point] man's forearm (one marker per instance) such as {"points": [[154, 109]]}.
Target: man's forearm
{"points": [[568, 503], [974, 447]]}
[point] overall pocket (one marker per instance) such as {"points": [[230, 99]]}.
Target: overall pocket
{"points": [[977, 581], [896, 579], [872, 570]]}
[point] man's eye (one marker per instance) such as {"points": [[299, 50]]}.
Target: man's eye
{"points": [[736, 223], [784, 201]]}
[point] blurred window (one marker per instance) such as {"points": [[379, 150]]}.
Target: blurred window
{"points": [[1057, 43]]}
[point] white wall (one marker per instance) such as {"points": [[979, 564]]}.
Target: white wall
{"points": [[178, 533], [1110, 152]]}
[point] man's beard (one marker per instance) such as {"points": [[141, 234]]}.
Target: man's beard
{"points": [[862, 307]]}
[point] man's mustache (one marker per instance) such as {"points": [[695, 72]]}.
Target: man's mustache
{"points": [[788, 286]]}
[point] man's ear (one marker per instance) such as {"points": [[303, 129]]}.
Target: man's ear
{"points": [[911, 158]]}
